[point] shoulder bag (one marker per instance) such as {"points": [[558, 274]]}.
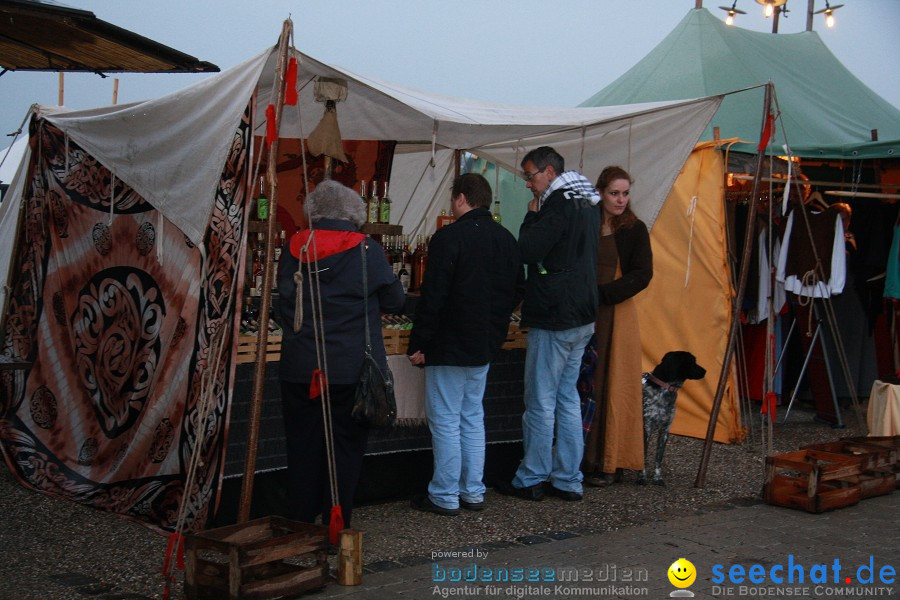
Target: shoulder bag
{"points": [[374, 405]]}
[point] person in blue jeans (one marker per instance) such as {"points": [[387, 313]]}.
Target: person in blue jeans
{"points": [[460, 323], [558, 241]]}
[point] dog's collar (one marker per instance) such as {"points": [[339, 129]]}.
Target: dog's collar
{"points": [[660, 383]]}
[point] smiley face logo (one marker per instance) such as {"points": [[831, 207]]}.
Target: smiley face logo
{"points": [[682, 573]]}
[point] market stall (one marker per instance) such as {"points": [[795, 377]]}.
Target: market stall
{"points": [[164, 228]]}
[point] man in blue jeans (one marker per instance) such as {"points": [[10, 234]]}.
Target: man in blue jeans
{"points": [[558, 241], [461, 321]]}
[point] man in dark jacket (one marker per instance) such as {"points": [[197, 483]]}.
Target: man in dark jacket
{"points": [[558, 241], [460, 324]]}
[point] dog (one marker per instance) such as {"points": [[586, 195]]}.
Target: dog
{"points": [[660, 389]]}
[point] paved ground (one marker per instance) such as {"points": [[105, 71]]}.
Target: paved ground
{"points": [[853, 552], [848, 553]]}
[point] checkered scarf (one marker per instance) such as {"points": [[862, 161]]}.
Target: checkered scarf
{"points": [[574, 181]]}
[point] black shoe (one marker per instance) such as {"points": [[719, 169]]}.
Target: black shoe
{"points": [[563, 494], [534, 492], [599, 479], [425, 504], [475, 506]]}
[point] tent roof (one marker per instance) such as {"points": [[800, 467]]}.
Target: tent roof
{"points": [[144, 143], [44, 36], [826, 111]]}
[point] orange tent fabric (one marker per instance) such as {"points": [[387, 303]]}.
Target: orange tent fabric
{"points": [[687, 305]]}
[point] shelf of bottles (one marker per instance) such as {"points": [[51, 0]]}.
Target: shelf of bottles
{"points": [[257, 230]]}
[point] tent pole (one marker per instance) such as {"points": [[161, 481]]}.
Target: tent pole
{"points": [[259, 372], [736, 303]]}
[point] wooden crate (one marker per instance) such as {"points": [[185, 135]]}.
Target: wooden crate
{"points": [[246, 352], [395, 340], [812, 480], [515, 337], [264, 558], [891, 443], [873, 456]]}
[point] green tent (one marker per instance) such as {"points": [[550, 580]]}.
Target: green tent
{"points": [[826, 111]]}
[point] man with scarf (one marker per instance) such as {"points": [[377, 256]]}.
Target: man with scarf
{"points": [[558, 241]]}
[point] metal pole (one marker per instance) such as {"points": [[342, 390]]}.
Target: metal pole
{"points": [[736, 304], [810, 10], [259, 372]]}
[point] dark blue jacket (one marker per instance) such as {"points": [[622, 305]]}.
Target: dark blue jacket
{"points": [[559, 245], [469, 291], [340, 278]]}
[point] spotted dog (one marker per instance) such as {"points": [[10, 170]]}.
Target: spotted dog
{"points": [[660, 388]]}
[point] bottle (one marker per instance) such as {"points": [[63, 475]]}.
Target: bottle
{"points": [[256, 268], [363, 197], [372, 213], [259, 265], [403, 276], [385, 206], [249, 317], [397, 255], [419, 259], [407, 253], [444, 219], [279, 247], [262, 203], [496, 215]]}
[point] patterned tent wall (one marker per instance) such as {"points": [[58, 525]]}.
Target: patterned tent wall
{"points": [[121, 317]]}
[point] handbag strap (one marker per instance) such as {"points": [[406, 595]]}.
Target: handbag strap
{"points": [[365, 277]]}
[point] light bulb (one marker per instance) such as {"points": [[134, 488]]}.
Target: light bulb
{"points": [[829, 19], [770, 9], [729, 20]]}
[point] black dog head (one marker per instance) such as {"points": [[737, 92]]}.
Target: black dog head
{"points": [[678, 366]]}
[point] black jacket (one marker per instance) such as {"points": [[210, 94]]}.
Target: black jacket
{"points": [[559, 244], [469, 291], [340, 278], [636, 261]]}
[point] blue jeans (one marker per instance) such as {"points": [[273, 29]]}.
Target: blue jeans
{"points": [[455, 414], [552, 363]]}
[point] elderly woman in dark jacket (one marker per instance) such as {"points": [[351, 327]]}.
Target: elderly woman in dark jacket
{"points": [[329, 258], [624, 268]]}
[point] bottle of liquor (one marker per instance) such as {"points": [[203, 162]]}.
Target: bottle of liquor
{"points": [[363, 197], [407, 251], [256, 273], [372, 214], [262, 203], [397, 255], [419, 260], [249, 317], [496, 214], [444, 219], [385, 206], [403, 276]]}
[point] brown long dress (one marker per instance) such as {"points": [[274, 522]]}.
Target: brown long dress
{"points": [[617, 434]]}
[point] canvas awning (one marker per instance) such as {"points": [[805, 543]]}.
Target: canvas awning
{"points": [[176, 145]]}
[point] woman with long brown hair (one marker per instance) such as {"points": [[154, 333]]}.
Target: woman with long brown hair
{"points": [[624, 268]]}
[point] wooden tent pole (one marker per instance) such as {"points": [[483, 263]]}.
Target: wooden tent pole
{"points": [[259, 372], [736, 303]]}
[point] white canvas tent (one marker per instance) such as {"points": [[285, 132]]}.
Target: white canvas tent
{"points": [[172, 154]]}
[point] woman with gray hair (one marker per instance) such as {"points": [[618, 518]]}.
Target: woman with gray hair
{"points": [[328, 256]]}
